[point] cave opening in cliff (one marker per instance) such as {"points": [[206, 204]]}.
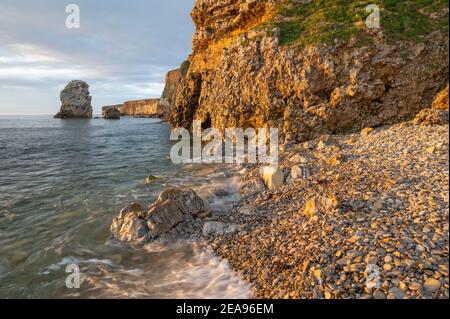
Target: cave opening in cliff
{"points": [[206, 124]]}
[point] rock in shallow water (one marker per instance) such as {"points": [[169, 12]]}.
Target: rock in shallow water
{"points": [[136, 225], [130, 226]]}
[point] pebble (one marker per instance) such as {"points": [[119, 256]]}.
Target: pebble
{"points": [[431, 285]]}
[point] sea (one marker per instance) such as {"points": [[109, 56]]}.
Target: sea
{"points": [[61, 184]]}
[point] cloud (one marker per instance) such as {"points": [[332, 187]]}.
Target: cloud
{"points": [[123, 50]]}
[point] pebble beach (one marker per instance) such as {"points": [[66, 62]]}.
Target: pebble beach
{"points": [[371, 220]]}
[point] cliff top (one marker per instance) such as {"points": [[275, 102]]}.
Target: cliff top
{"points": [[308, 22]]}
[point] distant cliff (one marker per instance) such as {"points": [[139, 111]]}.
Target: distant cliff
{"points": [[144, 108], [152, 107], [309, 70], [168, 97]]}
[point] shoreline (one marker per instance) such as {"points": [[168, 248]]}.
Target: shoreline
{"points": [[367, 218], [383, 220]]}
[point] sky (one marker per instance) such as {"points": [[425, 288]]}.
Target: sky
{"points": [[123, 49]]}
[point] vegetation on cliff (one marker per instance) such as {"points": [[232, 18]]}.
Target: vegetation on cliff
{"points": [[308, 22]]}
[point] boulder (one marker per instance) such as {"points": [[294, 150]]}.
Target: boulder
{"points": [[164, 216], [75, 101], [112, 114], [187, 201], [441, 100], [273, 177], [130, 226], [174, 206]]}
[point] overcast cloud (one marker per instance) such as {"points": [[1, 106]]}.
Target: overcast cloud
{"points": [[123, 50]]}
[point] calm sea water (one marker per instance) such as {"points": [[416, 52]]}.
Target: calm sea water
{"points": [[62, 182]]}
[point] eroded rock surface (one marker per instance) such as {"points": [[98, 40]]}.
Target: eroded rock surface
{"points": [[241, 76], [112, 114], [75, 101], [174, 206]]}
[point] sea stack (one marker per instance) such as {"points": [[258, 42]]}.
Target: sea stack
{"points": [[75, 101]]}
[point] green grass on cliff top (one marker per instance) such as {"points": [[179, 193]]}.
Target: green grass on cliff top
{"points": [[315, 21]]}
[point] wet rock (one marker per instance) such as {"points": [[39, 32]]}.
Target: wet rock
{"points": [[164, 216], [173, 207], [131, 229], [150, 179], [189, 203], [133, 208]]}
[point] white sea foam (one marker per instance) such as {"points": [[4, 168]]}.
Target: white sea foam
{"points": [[179, 271]]}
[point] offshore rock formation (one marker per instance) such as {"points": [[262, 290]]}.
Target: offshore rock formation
{"points": [[75, 101], [108, 107], [112, 114], [241, 75]]}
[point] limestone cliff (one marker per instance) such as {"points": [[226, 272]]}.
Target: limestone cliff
{"points": [[262, 63], [139, 108], [170, 89], [148, 107]]}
